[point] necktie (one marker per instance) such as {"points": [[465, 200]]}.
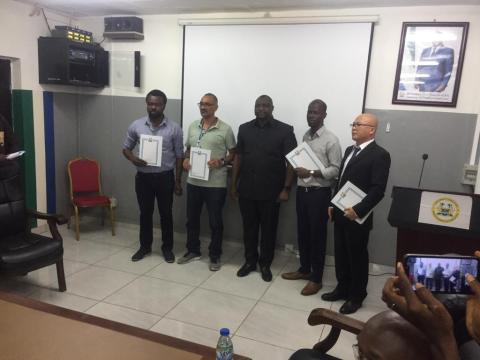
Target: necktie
{"points": [[356, 149]]}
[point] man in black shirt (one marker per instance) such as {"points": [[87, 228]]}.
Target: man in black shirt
{"points": [[264, 180]]}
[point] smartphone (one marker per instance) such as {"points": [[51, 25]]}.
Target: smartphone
{"points": [[444, 274]]}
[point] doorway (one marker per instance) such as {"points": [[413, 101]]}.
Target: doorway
{"points": [[6, 90]]}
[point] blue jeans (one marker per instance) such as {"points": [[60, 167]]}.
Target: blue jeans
{"points": [[214, 198]]}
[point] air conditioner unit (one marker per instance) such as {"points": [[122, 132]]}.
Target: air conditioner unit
{"points": [[123, 28]]}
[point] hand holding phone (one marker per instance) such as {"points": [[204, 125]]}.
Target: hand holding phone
{"points": [[424, 311], [443, 274], [473, 306]]}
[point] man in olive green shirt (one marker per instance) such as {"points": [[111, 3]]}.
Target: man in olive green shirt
{"points": [[215, 135]]}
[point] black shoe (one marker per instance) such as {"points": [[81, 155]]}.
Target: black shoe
{"points": [[246, 269], [350, 307], [168, 256], [266, 273], [333, 296], [140, 254]]}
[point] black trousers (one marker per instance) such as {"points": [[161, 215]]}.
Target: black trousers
{"points": [[260, 217], [214, 199], [351, 260], [151, 186], [312, 217]]}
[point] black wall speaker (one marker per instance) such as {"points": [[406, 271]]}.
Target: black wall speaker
{"points": [[123, 27], [137, 69]]}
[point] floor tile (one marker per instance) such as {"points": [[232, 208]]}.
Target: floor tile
{"points": [[63, 299], [124, 315], [122, 260], [194, 301], [279, 326], [374, 290], [123, 237], [193, 333], [287, 293], [150, 295], [97, 282], [193, 273], [212, 309], [88, 251], [257, 350], [47, 276], [252, 287]]}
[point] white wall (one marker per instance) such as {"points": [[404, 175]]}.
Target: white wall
{"points": [[162, 50], [20, 32]]}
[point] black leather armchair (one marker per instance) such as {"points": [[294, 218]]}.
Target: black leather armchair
{"points": [[338, 322], [22, 251]]}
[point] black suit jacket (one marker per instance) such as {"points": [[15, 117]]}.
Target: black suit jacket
{"points": [[369, 171]]}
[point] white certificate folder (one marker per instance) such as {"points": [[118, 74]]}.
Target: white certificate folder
{"points": [[151, 149], [349, 195], [304, 157], [199, 159]]}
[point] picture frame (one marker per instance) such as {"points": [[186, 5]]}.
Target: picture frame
{"points": [[430, 61]]}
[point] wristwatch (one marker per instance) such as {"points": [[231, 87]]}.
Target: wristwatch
{"points": [[312, 172]]}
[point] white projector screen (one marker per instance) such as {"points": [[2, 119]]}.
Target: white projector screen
{"points": [[293, 64]]}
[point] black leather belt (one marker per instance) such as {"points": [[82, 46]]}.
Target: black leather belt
{"points": [[311, 188]]}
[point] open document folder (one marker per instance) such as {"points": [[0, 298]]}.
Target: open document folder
{"points": [[349, 195], [151, 149], [199, 159], [304, 157]]}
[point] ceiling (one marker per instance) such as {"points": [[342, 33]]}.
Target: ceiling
{"points": [[79, 8]]}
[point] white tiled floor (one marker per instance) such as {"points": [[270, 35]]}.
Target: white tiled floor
{"points": [[267, 320]]}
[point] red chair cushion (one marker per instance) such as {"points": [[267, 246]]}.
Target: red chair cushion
{"points": [[90, 201], [84, 175]]}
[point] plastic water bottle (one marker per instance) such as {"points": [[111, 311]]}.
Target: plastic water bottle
{"points": [[224, 345]]}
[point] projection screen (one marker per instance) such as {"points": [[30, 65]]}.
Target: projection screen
{"points": [[293, 64]]}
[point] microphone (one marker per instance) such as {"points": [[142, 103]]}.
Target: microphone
{"points": [[424, 157]]}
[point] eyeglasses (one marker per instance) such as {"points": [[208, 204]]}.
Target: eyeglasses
{"points": [[356, 124], [200, 104]]}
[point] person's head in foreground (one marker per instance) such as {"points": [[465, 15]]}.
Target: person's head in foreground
{"points": [[388, 336]]}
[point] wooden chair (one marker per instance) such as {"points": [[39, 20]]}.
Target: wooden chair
{"points": [[337, 322], [85, 190], [21, 251]]}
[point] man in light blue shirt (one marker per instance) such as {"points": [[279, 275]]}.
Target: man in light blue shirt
{"points": [[156, 182]]}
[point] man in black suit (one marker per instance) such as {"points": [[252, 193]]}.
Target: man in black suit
{"points": [[366, 165]]}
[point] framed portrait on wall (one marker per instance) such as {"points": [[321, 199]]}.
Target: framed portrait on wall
{"points": [[430, 62]]}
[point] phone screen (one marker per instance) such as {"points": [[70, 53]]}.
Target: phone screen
{"points": [[442, 274]]}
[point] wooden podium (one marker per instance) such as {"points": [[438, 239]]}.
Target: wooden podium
{"points": [[420, 238]]}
